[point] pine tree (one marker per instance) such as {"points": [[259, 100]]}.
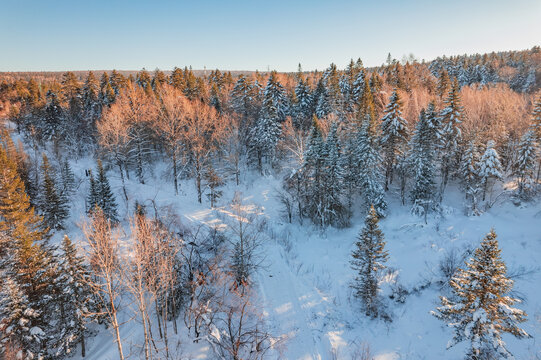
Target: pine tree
{"points": [[443, 83], [17, 217], [536, 120], [312, 170], [92, 198], [469, 175], [243, 97], [394, 134], [422, 163], [451, 135], [105, 197], [359, 85], [482, 311], [368, 261], [334, 211], [19, 318], [54, 205], [370, 176], [323, 102], [52, 125], [266, 133], [303, 107], [68, 179], [367, 108], [75, 299], [525, 167], [489, 167]]}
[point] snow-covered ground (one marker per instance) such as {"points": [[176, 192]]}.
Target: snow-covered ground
{"points": [[304, 283]]}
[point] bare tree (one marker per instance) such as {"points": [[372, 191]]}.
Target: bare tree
{"points": [[123, 130], [204, 131], [245, 230], [172, 107], [236, 329], [103, 256]]}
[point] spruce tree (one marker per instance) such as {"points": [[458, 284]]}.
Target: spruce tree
{"points": [[525, 166], [323, 102], [75, 299], [266, 133], [536, 119], [451, 135], [394, 134], [359, 85], [482, 310], [469, 176], [54, 204], [52, 126], [68, 179], [334, 211], [17, 217], [370, 174], [18, 325], [368, 261], [312, 170], [303, 107], [490, 167], [105, 197], [423, 167], [443, 83]]}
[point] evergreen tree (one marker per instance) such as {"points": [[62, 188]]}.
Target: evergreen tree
{"points": [[18, 325], [68, 179], [312, 170], [489, 167], [91, 103], [423, 167], [54, 204], [359, 85], [266, 133], [469, 174], [323, 102], [100, 195], [304, 105], [243, 97], [451, 135], [367, 108], [394, 134], [75, 299], [368, 261], [370, 177], [17, 217], [52, 125], [92, 198], [482, 311], [106, 198], [525, 167], [334, 211], [443, 83], [536, 120]]}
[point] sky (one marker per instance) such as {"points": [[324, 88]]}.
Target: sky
{"points": [[59, 35]]}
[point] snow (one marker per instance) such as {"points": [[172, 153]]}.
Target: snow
{"points": [[303, 285]]}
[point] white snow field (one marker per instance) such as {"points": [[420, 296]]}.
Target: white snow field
{"points": [[303, 286]]}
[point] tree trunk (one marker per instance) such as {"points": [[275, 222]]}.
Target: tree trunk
{"points": [[119, 163], [83, 348], [175, 175]]}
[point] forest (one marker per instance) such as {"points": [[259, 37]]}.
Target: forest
{"points": [[265, 215]]}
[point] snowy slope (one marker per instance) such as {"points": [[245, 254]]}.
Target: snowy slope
{"points": [[304, 284]]}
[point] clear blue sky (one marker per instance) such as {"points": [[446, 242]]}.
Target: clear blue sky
{"points": [[248, 35]]}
